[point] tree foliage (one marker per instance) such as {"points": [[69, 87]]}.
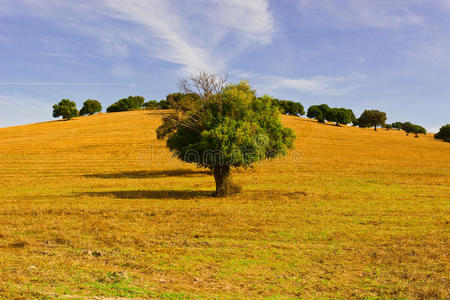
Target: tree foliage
{"points": [[66, 109], [371, 118], [126, 104], [397, 125], [289, 107], [388, 126], [90, 107], [417, 129], [339, 115], [408, 127], [444, 133], [151, 104], [228, 126], [318, 112]]}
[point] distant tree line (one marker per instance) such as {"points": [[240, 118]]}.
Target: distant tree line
{"points": [[341, 116]]}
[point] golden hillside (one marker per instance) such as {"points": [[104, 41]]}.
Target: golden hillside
{"points": [[97, 206]]}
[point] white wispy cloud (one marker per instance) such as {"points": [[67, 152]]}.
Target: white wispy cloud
{"points": [[316, 85], [377, 14], [198, 35], [50, 83]]}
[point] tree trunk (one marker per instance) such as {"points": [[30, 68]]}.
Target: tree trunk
{"points": [[337, 123], [375, 127], [224, 184]]}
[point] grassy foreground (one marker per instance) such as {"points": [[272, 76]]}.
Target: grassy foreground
{"points": [[96, 206]]}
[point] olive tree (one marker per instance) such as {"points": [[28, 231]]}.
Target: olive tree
{"points": [[318, 112], [66, 109], [417, 129], [228, 126], [371, 118], [339, 115], [90, 107]]}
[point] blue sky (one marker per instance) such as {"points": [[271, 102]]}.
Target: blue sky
{"points": [[388, 55]]}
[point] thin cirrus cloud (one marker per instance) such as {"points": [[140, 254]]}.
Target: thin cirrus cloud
{"points": [[316, 85], [192, 37], [198, 35], [376, 14]]}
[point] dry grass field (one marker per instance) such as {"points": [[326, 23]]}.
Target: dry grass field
{"points": [[96, 206]]}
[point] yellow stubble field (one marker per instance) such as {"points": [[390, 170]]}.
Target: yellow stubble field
{"points": [[96, 206]]}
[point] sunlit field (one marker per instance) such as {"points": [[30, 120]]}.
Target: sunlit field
{"points": [[96, 206]]}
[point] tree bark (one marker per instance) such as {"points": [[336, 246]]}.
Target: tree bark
{"points": [[224, 184], [375, 127]]}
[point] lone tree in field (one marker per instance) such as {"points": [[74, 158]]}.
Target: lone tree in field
{"points": [[66, 109], [371, 118], [339, 115], [227, 126], [90, 107], [443, 134]]}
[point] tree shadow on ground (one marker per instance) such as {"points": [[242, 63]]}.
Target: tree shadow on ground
{"points": [[151, 174], [149, 194]]}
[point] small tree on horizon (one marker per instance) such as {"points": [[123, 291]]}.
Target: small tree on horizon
{"points": [[339, 115], [417, 129], [444, 133], [126, 104], [227, 127], [318, 112], [407, 127], [397, 125], [90, 107], [371, 118], [66, 109]]}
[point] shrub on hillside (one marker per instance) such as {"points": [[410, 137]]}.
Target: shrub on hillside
{"points": [[66, 109], [90, 107], [126, 104]]}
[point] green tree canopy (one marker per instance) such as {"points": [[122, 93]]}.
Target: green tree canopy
{"points": [[90, 107], [444, 133], [227, 127], [66, 109], [388, 126], [371, 118], [289, 107], [339, 115], [397, 125], [407, 127], [417, 129], [126, 104], [151, 104], [318, 112]]}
